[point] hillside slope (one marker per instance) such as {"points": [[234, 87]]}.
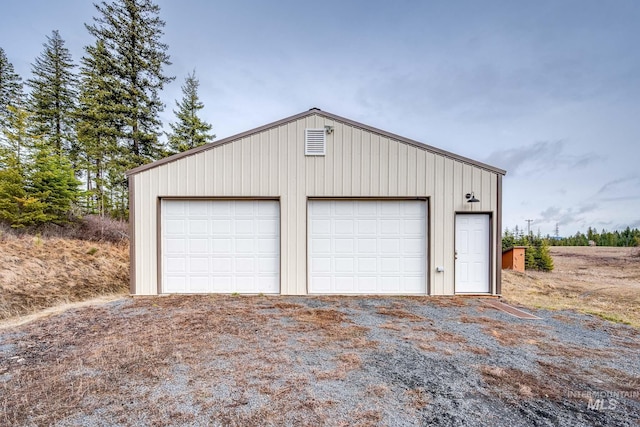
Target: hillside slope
{"points": [[36, 273]]}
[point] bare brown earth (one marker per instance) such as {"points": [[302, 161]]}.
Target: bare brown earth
{"points": [[603, 281], [37, 273]]}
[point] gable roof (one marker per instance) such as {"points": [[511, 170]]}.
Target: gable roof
{"points": [[310, 112]]}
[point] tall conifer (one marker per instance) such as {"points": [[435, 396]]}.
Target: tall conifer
{"points": [[52, 100], [190, 130]]}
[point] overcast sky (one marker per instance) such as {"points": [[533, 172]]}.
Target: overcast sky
{"points": [[548, 90]]}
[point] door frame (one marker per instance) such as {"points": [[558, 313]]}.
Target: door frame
{"points": [[490, 248]]}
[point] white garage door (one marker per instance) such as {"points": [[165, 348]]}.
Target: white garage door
{"points": [[367, 247], [223, 246]]}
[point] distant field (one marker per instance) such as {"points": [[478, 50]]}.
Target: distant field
{"points": [[596, 280], [36, 273]]}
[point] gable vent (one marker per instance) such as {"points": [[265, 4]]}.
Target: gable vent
{"points": [[314, 142]]}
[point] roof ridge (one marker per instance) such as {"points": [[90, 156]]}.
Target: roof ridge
{"points": [[311, 111]]}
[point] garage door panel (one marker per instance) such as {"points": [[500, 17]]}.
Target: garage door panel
{"points": [[221, 226], [367, 247], [367, 226], [321, 246], [198, 264], [175, 265], [344, 209], [321, 227], [412, 246], [412, 265], [344, 284], [198, 284], [220, 246], [389, 226], [390, 246], [343, 226], [367, 284], [221, 208], [344, 265], [266, 227], [197, 246], [367, 208], [174, 283], [367, 265], [198, 208], [174, 227], [343, 246], [244, 226], [268, 265], [245, 246], [222, 265], [390, 265], [321, 265], [176, 246], [269, 245]]}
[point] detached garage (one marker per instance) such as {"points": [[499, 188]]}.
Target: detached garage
{"points": [[315, 204]]}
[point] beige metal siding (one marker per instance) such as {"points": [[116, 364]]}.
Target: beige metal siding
{"points": [[358, 163]]}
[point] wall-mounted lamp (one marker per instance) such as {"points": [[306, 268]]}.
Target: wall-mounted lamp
{"points": [[328, 129], [471, 198]]}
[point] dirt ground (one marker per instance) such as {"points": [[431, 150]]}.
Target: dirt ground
{"points": [[338, 361], [598, 280]]}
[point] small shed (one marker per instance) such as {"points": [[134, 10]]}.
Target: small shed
{"points": [[513, 258], [316, 203]]}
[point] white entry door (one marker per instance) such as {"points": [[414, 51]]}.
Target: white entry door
{"points": [[367, 246], [220, 246], [472, 253]]}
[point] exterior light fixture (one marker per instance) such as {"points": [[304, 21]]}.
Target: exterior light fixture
{"points": [[328, 129], [471, 198]]}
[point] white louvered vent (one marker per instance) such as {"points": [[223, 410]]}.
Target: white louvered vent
{"points": [[314, 142]]}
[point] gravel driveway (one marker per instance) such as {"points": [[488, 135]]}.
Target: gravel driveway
{"points": [[224, 360]]}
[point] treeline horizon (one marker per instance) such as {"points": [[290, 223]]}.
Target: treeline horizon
{"points": [[628, 237], [70, 130]]}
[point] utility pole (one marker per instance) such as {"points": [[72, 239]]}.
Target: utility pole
{"points": [[529, 221]]}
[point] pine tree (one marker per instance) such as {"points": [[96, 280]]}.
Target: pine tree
{"points": [[52, 100], [36, 185], [17, 206], [51, 180], [544, 262], [17, 139], [100, 120], [529, 258], [131, 32], [190, 131], [10, 88]]}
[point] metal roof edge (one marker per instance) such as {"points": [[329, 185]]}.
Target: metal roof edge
{"points": [[310, 112], [412, 142], [223, 141]]}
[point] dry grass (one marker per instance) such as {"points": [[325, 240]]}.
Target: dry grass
{"points": [[595, 280], [419, 398], [400, 314], [509, 333], [517, 384], [58, 369], [36, 272]]}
